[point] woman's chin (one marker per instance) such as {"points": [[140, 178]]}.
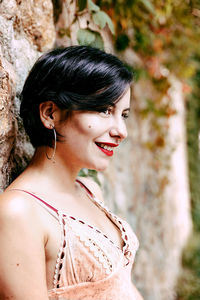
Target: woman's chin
{"points": [[98, 168], [101, 168]]}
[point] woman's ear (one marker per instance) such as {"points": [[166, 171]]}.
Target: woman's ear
{"points": [[49, 113]]}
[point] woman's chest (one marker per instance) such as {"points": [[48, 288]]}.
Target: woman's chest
{"points": [[94, 214], [91, 252]]}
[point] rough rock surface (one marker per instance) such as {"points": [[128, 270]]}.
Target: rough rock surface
{"points": [[26, 29], [7, 117]]}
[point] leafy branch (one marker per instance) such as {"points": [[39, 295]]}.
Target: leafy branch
{"points": [[90, 37]]}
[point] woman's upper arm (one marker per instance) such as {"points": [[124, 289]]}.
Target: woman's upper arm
{"points": [[22, 255]]}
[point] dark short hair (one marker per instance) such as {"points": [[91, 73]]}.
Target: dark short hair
{"points": [[74, 78]]}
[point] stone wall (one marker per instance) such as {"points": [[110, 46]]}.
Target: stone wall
{"points": [[26, 29], [132, 182]]}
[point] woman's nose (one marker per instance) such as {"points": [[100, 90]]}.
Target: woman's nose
{"points": [[119, 130]]}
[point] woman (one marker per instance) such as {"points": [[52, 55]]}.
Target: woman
{"points": [[58, 240]]}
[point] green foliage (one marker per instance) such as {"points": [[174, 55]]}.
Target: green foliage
{"points": [[142, 42], [194, 161], [149, 6], [188, 287], [82, 4], [93, 7], [86, 36], [165, 29], [158, 111], [193, 129], [90, 173], [139, 73], [100, 18], [57, 9], [122, 42], [90, 38]]}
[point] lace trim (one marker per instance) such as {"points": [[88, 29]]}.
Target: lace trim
{"points": [[124, 235], [61, 253], [93, 227], [96, 250], [127, 253]]}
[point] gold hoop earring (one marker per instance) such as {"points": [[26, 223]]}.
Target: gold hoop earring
{"points": [[54, 149]]}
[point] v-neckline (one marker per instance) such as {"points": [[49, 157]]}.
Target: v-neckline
{"points": [[113, 218]]}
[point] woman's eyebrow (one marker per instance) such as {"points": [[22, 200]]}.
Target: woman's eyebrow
{"points": [[126, 109]]}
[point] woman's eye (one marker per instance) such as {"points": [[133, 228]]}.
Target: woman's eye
{"points": [[125, 116], [107, 112]]}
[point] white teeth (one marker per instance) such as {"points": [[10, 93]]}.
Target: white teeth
{"points": [[109, 148]]}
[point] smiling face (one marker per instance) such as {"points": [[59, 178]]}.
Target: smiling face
{"points": [[90, 138]]}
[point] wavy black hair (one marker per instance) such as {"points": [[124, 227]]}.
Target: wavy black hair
{"points": [[74, 78]]}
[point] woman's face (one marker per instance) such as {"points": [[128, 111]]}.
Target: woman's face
{"points": [[92, 137]]}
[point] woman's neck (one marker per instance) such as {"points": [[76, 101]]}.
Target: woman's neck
{"points": [[57, 174]]}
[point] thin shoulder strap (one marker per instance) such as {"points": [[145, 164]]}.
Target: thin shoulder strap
{"points": [[46, 205], [86, 188], [52, 210]]}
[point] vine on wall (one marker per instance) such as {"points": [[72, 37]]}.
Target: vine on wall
{"points": [[100, 18]]}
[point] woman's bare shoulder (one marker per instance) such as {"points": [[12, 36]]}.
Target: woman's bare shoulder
{"points": [[16, 208], [14, 202], [20, 238], [92, 186]]}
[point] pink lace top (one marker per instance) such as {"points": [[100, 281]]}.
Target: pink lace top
{"points": [[89, 265]]}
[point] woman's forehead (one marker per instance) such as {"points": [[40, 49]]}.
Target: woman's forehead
{"points": [[124, 101]]}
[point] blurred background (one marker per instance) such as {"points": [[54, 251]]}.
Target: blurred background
{"points": [[153, 181]]}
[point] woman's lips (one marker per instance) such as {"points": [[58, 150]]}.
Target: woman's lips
{"points": [[108, 152]]}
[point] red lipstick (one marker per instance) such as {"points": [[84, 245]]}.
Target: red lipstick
{"points": [[106, 151]]}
